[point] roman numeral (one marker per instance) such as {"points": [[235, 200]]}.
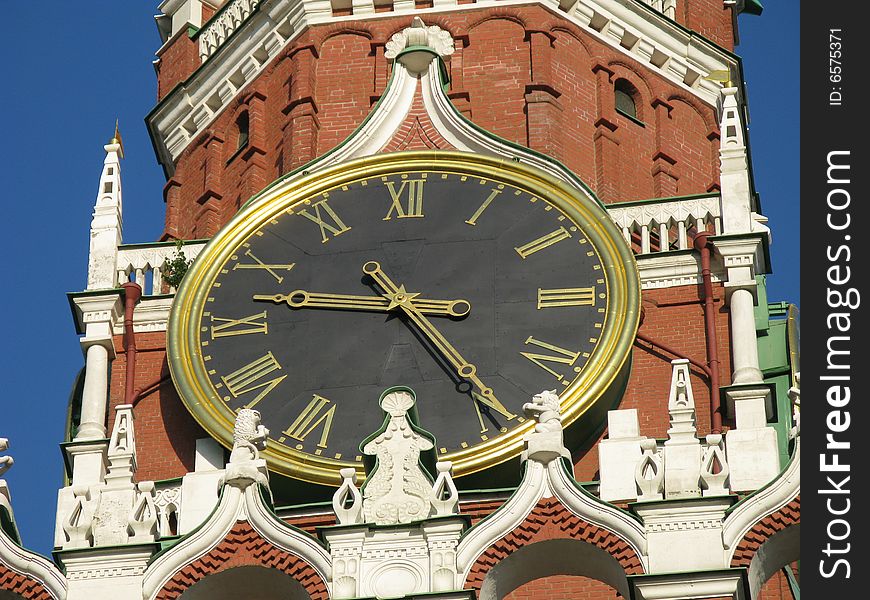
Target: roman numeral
{"points": [[311, 418], [331, 223], [479, 211], [543, 242], [561, 356], [566, 297], [258, 264], [252, 377], [493, 403], [413, 199], [221, 327]]}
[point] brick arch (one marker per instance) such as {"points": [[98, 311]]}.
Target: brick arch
{"points": [[625, 70], [497, 14], [550, 520], [575, 36], [243, 546], [324, 33], [763, 530], [704, 111], [24, 586]]}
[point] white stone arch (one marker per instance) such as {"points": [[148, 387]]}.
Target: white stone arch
{"points": [[240, 582], [561, 556], [778, 551]]}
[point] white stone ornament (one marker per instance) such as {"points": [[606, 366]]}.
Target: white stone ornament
{"points": [[649, 474], [347, 500], [794, 393], [445, 499], [249, 437], [545, 443], [6, 462], [398, 491], [714, 467], [418, 34], [142, 524]]}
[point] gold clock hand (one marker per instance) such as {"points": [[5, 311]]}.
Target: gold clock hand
{"points": [[397, 296], [304, 298]]}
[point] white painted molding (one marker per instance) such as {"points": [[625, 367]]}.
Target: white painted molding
{"points": [[235, 505], [505, 519], [591, 509], [675, 53], [762, 503], [670, 269], [32, 565]]}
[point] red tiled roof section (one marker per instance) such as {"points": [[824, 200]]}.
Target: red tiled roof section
{"points": [[245, 547], [550, 520], [22, 585], [788, 515]]}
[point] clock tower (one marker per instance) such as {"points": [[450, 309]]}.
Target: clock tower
{"points": [[453, 298]]}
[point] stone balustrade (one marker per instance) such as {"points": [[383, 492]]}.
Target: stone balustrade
{"points": [[667, 7], [141, 263], [224, 23], [654, 226]]}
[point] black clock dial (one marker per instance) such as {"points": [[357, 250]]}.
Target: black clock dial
{"points": [[475, 293]]}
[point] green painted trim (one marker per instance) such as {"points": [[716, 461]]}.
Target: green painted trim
{"points": [[753, 7], [162, 244], [8, 526], [169, 481], [793, 584], [327, 505]]}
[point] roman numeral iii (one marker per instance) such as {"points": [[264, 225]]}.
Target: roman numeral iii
{"points": [[566, 297], [311, 418], [413, 198], [254, 376]]}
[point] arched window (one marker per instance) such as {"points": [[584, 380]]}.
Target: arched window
{"points": [[243, 123], [626, 98]]}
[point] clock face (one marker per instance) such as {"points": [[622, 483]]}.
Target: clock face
{"points": [[477, 285]]}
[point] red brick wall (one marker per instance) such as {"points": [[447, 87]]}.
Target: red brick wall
{"points": [[521, 72], [575, 587], [675, 317], [166, 434]]}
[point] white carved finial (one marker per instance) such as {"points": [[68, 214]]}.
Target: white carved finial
{"points": [[142, 522], [347, 500], [794, 393], [418, 35], [6, 462], [79, 522], [122, 449], [681, 404], [714, 467], [445, 495], [398, 491], [649, 474]]}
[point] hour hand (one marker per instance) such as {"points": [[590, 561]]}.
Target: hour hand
{"points": [[306, 299]]}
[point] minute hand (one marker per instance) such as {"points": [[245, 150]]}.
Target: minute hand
{"points": [[398, 297]]}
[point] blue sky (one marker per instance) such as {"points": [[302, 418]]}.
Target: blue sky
{"points": [[72, 70]]}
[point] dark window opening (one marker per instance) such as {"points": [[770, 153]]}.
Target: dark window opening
{"points": [[243, 123], [626, 95]]}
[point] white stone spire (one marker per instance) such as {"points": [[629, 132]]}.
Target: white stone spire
{"points": [[734, 176], [107, 223]]}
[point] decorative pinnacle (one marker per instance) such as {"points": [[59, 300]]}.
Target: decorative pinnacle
{"points": [[116, 139]]}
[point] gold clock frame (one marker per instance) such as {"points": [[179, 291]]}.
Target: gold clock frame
{"points": [[622, 314]]}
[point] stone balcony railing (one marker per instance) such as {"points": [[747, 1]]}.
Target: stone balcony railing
{"points": [[667, 7], [224, 23], [656, 226], [142, 263]]}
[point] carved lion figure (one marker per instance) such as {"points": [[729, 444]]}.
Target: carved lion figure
{"points": [[544, 408], [249, 436]]}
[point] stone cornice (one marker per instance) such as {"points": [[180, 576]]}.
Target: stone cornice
{"points": [[675, 53]]}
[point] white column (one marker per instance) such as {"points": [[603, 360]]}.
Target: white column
{"points": [[95, 394], [744, 347]]}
